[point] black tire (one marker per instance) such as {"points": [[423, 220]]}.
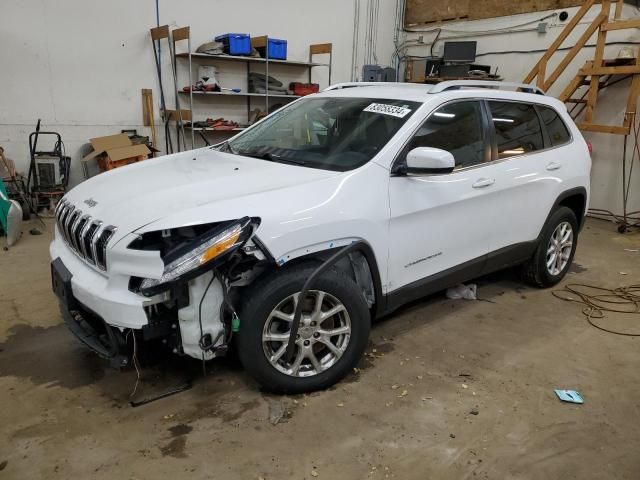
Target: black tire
{"points": [[266, 295], [534, 270], [26, 211]]}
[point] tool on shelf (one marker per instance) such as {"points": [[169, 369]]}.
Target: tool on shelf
{"points": [[235, 90]]}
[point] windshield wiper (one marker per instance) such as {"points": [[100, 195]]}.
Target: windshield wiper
{"points": [[272, 157], [226, 147]]}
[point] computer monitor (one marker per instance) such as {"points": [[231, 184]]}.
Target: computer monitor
{"points": [[460, 52]]}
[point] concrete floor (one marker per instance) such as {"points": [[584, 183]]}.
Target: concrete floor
{"points": [[406, 414]]}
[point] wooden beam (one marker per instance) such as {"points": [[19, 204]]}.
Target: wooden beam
{"points": [[592, 127], [177, 115], [592, 96], [558, 41], [147, 107], [619, 70], [571, 88], [618, 13], [180, 34], [575, 49], [542, 73], [632, 101], [621, 24], [320, 48], [158, 33]]}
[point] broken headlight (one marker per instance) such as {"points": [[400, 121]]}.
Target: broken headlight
{"points": [[188, 260]]}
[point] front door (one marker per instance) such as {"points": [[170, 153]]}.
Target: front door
{"points": [[440, 223]]}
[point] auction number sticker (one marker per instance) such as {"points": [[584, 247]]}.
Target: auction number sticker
{"points": [[384, 109]]}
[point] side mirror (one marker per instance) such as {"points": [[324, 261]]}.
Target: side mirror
{"points": [[425, 160]]}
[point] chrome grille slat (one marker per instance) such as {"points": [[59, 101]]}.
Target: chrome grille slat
{"points": [[101, 246], [86, 236], [87, 224], [73, 225], [91, 255], [62, 216], [77, 230], [94, 240], [67, 222]]}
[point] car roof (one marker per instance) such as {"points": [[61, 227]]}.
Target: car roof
{"points": [[423, 93], [400, 91]]}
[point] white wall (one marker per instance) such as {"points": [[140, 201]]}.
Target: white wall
{"points": [[80, 65], [607, 158]]}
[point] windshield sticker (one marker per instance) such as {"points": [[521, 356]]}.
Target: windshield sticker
{"points": [[392, 110]]}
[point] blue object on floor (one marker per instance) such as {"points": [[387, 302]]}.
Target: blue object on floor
{"points": [[570, 396]]}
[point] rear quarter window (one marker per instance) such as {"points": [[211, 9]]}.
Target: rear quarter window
{"points": [[555, 126], [517, 128]]}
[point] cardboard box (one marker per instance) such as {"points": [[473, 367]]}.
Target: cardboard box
{"points": [[115, 151], [415, 70]]}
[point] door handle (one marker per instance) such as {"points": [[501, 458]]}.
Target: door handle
{"points": [[484, 182], [553, 166]]}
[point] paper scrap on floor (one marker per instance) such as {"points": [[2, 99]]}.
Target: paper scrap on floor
{"points": [[468, 292], [570, 396]]}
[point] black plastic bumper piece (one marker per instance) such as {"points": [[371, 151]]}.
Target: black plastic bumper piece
{"points": [[87, 327]]}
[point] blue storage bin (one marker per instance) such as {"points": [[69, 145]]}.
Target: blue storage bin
{"points": [[235, 43], [277, 49]]}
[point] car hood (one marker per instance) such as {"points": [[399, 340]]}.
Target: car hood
{"points": [[145, 193]]}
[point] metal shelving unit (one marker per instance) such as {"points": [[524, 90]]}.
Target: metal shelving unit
{"points": [[193, 58], [243, 94]]}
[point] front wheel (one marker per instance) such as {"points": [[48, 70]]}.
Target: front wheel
{"points": [[333, 332], [554, 254]]}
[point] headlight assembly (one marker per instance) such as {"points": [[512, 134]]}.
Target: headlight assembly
{"points": [[203, 252]]}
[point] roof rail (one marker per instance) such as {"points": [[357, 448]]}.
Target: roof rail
{"points": [[458, 84], [340, 86]]}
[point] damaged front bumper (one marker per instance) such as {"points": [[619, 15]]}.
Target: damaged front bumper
{"points": [[106, 316], [87, 326]]}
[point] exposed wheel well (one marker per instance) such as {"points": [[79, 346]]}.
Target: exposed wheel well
{"points": [[360, 266], [577, 203]]}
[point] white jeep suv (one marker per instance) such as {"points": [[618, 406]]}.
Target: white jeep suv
{"points": [[289, 239]]}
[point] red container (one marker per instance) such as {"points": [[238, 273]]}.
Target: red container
{"points": [[302, 89]]}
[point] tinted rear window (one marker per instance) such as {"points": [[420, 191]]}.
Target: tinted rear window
{"points": [[556, 128], [517, 128]]}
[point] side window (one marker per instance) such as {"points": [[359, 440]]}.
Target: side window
{"points": [[517, 128], [456, 128], [556, 128]]}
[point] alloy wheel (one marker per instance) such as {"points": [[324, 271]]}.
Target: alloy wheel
{"points": [[323, 335], [559, 248]]}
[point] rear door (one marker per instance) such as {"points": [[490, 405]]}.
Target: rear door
{"points": [[527, 166]]}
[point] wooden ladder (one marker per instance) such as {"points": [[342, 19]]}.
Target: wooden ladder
{"points": [[596, 74]]}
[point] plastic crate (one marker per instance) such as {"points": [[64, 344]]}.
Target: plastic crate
{"points": [[277, 49], [235, 43], [303, 89]]}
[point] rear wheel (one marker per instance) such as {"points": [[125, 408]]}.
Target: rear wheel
{"points": [[554, 254], [333, 332]]}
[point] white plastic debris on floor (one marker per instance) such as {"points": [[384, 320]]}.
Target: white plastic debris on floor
{"points": [[467, 292]]}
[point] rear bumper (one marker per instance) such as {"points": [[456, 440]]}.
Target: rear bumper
{"points": [[88, 327]]}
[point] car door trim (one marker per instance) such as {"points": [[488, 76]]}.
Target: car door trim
{"points": [[434, 283]]}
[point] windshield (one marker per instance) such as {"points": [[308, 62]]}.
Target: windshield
{"points": [[329, 133]]}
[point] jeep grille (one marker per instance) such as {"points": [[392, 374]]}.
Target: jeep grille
{"points": [[85, 235]]}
